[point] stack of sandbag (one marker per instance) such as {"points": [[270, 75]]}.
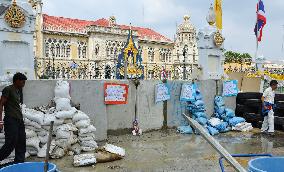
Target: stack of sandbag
{"points": [[244, 126], [86, 131], [72, 130], [227, 116], [197, 109]]}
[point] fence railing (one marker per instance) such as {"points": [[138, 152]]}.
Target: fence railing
{"points": [[91, 69]]}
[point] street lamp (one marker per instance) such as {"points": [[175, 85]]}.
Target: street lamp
{"points": [[185, 49]]}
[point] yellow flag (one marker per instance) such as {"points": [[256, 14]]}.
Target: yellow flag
{"points": [[218, 12]]}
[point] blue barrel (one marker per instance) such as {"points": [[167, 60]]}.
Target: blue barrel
{"points": [[29, 167], [273, 164]]}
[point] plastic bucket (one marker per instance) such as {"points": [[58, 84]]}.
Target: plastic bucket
{"points": [[29, 167], [273, 164]]}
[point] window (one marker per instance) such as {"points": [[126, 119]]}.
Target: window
{"points": [[165, 54], [57, 48], [113, 48], [151, 54], [82, 50], [97, 49]]}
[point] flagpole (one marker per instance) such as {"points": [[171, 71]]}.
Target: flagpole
{"points": [[256, 51]]}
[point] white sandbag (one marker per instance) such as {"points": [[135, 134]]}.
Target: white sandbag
{"points": [[92, 137], [66, 143], [30, 133], [58, 152], [114, 149], [89, 129], [83, 123], [76, 148], [67, 127], [214, 122], [43, 139], [63, 104], [51, 110], [32, 150], [62, 134], [42, 152], [33, 143], [42, 132], [63, 114], [32, 128], [87, 135], [51, 117], [89, 143], [32, 115], [79, 116], [62, 89], [88, 149], [32, 123], [84, 160]]}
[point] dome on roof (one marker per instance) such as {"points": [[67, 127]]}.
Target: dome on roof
{"points": [[186, 26]]}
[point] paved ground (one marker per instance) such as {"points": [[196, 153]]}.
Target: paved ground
{"points": [[161, 151]]}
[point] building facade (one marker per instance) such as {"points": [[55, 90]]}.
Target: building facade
{"points": [[80, 49]]}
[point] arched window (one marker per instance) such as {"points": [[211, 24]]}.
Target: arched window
{"points": [[151, 54], [82, 50]]}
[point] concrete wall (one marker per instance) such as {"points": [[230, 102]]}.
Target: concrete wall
{"points": [[90, 95]]}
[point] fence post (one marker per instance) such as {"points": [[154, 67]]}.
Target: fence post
{"points": [[165, 111]]}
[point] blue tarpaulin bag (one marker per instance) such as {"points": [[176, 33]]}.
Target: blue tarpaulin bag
{"points": [[202, 120], [230, 113], [222, 127], [213, 131], [185, 129], [236, 120]]}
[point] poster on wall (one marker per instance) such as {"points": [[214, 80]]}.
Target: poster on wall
{"points": [[188, 92], [162, 92], [230, 88], [115, 94]]}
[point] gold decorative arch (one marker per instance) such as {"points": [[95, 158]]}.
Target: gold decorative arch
{"points": [[15, 16]]}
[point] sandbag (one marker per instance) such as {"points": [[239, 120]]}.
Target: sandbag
{"points": [[236, 120], [31, 123], [30, 133], [213, 131], [51, 117], [76, 148], [67, 127], [114, 149], [83, 123], [79, 116], [89, 129], [62, 89], [58, 152], [202, 120], [103, 156], [214, 122], [222, 127], [84, 160], [33, 143], [230, 113], [32, 115], [200, 114], [89, 143], [199, 103], [63, 104], [43, 139], [219, 101], [185, 129], [86, 137], [66, 114], [32, 128], [62, 134]]}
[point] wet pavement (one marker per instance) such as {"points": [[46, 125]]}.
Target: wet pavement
{"points": [[162, 151]]}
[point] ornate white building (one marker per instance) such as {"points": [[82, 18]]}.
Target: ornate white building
{"points": [[75, 48]]}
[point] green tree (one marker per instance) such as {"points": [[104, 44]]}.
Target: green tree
{"points": [[235, 57]]}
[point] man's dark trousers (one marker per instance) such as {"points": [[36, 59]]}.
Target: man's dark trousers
{"points": [[15, 138]]}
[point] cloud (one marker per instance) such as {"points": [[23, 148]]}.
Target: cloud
{"points": [[164, 15]]}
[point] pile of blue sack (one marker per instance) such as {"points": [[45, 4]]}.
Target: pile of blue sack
{"points": [[222, 121], [226, 115]]}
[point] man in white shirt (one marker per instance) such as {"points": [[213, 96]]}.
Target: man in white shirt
{"points": [[268, 104]]}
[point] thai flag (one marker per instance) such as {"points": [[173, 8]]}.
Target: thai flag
{"points": [[261, 20]]}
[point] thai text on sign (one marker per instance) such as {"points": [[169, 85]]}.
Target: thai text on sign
{"points": [[115, 93]]}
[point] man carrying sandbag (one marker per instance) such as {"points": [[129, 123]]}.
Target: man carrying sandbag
{"points": [[268, 105], [14, 127]]}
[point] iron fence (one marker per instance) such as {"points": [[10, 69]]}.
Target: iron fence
{"points": [[91, 69]]}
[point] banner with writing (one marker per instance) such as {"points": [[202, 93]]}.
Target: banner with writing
{"points": [[162, 92], [115, 93]]}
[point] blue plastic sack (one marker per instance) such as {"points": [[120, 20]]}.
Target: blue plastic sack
{"points": [[199, 103], [202, 120], [222, 127], [200, 114], [198, 96], [230, 113], [236, 120], [185, 129], [219, 101], [221, 110], [213, 131]]}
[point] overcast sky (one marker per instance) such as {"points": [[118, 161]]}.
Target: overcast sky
{"points": [[162, 15]]}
